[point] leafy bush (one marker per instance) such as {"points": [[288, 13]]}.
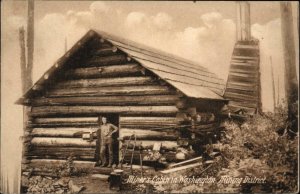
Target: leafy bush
{"points": [[261, 147]]}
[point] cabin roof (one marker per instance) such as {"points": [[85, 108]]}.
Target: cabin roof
{"points": [[188, 77]]}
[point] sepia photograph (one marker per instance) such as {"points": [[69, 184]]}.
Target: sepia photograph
{"points": [[149, 96]]}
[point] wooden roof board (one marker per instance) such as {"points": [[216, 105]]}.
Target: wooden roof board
{"points": [[198, 83], [168, 65], [179, 77]]}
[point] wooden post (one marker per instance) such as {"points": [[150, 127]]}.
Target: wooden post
{"points": [[291, 83]]}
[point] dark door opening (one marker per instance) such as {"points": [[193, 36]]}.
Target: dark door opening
{"points": [[113, 119]]}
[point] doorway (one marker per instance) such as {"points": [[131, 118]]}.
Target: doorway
{"points": [[113, 119]]}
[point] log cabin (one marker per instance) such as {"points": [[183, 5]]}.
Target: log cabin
{"points": [[141, 90]]}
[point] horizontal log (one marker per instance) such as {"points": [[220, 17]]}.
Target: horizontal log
{"points": [[79, 153], [129, 69], [230, 95], [245, 52], [238, 99], [107, 100], [106, 51], [64, 156], [147, 122], [186, 162], [40, 163], [107, 60], [243, 104], [44, 111], [255, 47], [123, 81], [242, 79], [61, 132], [110, 91], [65, 122], [243, 65], [146, 126], [75, 142], [233, 83], [244, 75], [141, 134], [51, 173], [148, 144], [239, 87], [245, 92], [172, 170], [61, 149], [256, 58], [148, 119], [170, 156], [247, 71]]}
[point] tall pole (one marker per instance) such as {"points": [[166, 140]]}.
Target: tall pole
{"points": [[23, 58], [291, 83], [66, 44], [273, 84], [30, 43], [26, 71]]}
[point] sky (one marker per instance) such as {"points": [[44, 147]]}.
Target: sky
{"points": [[200, 31]]}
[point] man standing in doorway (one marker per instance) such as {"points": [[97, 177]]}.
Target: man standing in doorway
{"points": [[106, 131]]}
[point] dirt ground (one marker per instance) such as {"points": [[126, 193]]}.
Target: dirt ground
{"points": [[92, 184]]}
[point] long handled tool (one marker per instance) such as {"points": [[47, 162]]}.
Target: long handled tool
{"points": [[132, 153], [124, 152], [141, 160]]}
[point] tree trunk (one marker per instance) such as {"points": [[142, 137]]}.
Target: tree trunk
{"points": [[291, 83]]}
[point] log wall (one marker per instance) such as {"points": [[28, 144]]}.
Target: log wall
{"points": [[109, 83]]}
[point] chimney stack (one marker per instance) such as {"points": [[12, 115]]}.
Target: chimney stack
{"points": [[243, 27]]}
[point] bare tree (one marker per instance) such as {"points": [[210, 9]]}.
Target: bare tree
{"points": [[26, 75], [291, 83]]}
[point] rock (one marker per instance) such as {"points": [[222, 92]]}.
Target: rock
{"points": [[62, 182], [48, 177], [60, 191], [25, 173], [39, 178], [25, 181], [74, 188]]}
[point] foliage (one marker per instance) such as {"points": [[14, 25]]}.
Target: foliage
{"points": [[258, 149]]}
